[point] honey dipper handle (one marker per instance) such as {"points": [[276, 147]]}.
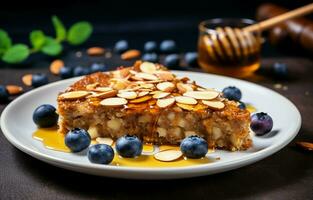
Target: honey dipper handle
{"points": [[280, 18]]}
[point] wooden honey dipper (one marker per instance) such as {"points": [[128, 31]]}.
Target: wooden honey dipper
{"points": [[229, 44]]}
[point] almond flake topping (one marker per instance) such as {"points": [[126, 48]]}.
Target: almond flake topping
{"points": [[127, 95], [142, 93], [217, 105], [74, 95], [184, 87], [141, 99], [114, 102], [164, 75], [104, 95], [102, 89], [186, 100], [146, 76], [168, 155], [106, 140], [163, 103], [160, 95], [148, 67], [186, 106], [205, 95], [166, 86]]}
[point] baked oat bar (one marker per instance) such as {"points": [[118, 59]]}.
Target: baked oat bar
{"points": [[149, 101]]}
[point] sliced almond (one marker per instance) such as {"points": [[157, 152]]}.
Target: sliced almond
{"points": [[154, 92], [216, 105], [163, 103], [92, 86], [27, 79], [120, 84], [104, 95], [160, 95], [95, 51], [56, 66], [182, 87], [102, 89], [147, 85], [166, 86], [106, 140], [133, 72], [305, 145], [146, 76], [114, 102], [186, 100], [185, 106], [14, 89], [127, 95], [168, 155], [141, 99], [130, 54], [74, 95], [205, 95], [142, 93], [165, 75], [148, 67]]}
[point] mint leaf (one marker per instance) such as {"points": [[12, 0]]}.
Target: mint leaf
{"points": [[5, 41], [51, 47], [37, 39], [60, 31], [79, 33], [15, 54]]}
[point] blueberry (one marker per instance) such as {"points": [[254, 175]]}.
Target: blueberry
{"points": [[66, 72], [168, 46], [150, 57], [39, 80], [241, 105], [280, 70], [150, 47], [95, 67], [191, 59], [171, 60], [100, 154], [77, 139], [129, 146], [232, 93], [121, 46], [80, 71], [4, 94], [45, 116], [194, 147], [261, 123]]}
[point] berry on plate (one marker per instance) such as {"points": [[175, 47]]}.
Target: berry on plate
{"points": [[261, 123], [77, 139], [194, 147], [232, 93], [100, 154], [129, 146], [45, 116], [242, 105], [39, 80]]}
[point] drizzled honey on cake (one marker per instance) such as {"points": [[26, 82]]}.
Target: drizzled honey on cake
{"points": [[149, 101]]}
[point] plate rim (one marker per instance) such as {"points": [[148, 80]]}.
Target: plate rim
{"points": [[225, 166]]}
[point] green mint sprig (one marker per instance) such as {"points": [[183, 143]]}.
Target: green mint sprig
{"points": [[77, 34]]}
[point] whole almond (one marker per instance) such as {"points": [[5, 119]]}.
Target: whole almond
{"points": [[95, 51], [305, 145], [130, 54], [14, 89], [27, 79], [56, 66]]}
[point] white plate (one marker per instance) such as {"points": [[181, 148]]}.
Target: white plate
{"points": [[17, 126]]}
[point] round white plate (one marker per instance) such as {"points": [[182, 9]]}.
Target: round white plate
{"points": [[17, 126]]}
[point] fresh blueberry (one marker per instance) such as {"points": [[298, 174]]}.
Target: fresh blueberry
{"points": [[191, 59], [168, 46], [171, 60], [150, 47], [150, 57], [100, 154], [4, 94], [121, 46], [261, 123], [232, 93], [280, 70], [45, 116], [194, 147], [129, 146], [95, 67], [66, 72], [77, 140], [39, 80], [241, 105], [80, 71]]}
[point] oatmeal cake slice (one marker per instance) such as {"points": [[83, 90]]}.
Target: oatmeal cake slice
{"points": [[149, 101]]}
